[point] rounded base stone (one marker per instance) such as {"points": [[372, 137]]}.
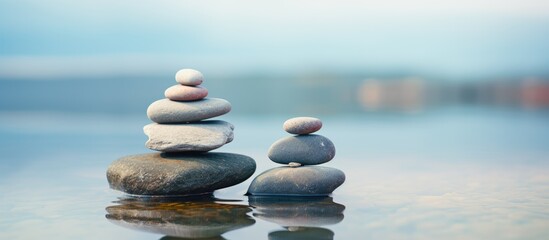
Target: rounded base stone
{"points": [[300, 181], [178, 173]]}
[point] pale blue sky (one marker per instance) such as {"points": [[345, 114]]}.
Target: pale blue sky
{"points": [[448, 38]]}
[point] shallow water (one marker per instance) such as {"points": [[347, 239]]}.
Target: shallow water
{"points": [[452, 175]]}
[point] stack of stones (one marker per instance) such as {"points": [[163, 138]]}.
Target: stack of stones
{"points": [[179, 125], [181, 132], [300, 153]]}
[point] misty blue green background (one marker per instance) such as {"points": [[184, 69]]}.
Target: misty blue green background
{"points": [[465, 39], [115, 57], [461, 161]]}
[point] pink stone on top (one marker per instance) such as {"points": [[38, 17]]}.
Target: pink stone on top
{"points": [[185, 93]]}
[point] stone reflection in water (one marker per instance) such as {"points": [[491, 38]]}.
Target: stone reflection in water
{"points": [[180, 238], [302, 233], [300, 216], [199, 217]]}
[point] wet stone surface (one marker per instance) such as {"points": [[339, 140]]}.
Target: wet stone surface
{"points": [[178, 173], [300, 181]]}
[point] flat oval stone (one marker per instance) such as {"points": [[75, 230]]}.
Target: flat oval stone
{"points": [[301, 181], [168, 111], [199, 136], [305, 149], [302, 125], [185, 93], [188, 218], [189, 77], [178, 174]]}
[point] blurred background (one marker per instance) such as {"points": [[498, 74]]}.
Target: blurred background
{"points": [[282, 57], [438, 109]]}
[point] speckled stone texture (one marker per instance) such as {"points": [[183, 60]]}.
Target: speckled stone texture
{"points": [[300, 181], [189, 77], [305, 149], [302, 125], [178, 174], [168, 111], [185, 93], [199, 136]]}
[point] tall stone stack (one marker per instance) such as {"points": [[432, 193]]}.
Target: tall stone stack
{"points": [[183, 135], [300, 153], [180, 124]]}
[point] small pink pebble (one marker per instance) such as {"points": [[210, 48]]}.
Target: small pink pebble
{"points": [[185, 93]]}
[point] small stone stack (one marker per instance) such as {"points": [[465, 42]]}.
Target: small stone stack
{"points": [[183, 137], [299, 152], [179, 118]]}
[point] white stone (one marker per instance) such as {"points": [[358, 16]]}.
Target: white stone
{"points": [[200, 136], [189, 77]]}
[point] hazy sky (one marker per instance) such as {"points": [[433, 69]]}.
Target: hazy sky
{"points": [[455, 38]]}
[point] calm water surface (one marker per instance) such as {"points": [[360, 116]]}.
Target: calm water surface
{"points": [[450, 175]]}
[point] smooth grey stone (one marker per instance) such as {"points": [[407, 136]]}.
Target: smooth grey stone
{"points": [[189, 77], [198, 136], [305, 149], [299, 233], [178, 173], [289, 211], [302, 125], [180, 217], [168, 111], [301, 181]]}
